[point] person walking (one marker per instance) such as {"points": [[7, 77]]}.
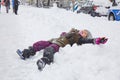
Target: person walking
{"points": [[7, 5], [0, 6], [13, 5], [16, 4]]}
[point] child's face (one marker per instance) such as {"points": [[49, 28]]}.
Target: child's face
{"points": [[83, 33]]}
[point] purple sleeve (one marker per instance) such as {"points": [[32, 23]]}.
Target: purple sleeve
{"points": [[63, 34]]}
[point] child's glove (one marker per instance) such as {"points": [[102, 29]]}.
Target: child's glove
{"points": [[102, 40]]}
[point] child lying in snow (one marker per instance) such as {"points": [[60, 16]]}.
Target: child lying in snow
{"points": [[52, 46]]}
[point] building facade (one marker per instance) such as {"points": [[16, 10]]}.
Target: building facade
{"points": [[43, 3], [49, 3]]}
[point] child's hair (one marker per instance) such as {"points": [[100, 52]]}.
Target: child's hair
{"points": [[89, 35]]}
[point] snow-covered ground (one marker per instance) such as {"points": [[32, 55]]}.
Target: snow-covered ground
{"points": [[86, 62]]}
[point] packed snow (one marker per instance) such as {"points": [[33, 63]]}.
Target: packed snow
{"points": [[85, 62]]}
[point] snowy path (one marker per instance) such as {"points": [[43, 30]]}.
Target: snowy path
{"points": [[86, 62]]}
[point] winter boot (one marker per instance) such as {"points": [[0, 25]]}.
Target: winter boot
{"points": [[28, 52], [41, 64], [32, 51]]}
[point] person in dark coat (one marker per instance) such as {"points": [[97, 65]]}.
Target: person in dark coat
{"points": [[7, 5], [0, 5], [16, 4], [52, 46]]}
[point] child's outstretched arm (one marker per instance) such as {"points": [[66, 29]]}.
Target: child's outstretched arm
{"points": [[97, 41]]}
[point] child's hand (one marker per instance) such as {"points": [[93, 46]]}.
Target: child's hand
{"points": [[102, 40]]}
